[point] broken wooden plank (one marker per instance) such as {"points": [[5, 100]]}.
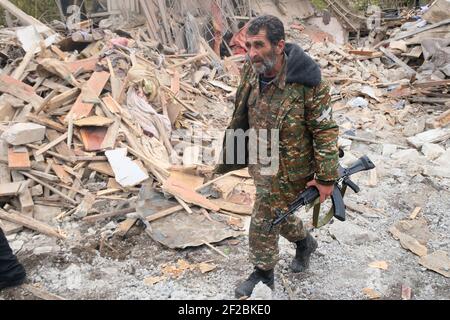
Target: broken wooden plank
{"points": [[61, 173], [233, 207], [175, 82], [177, 188], [30, 223], [222, 85], [112, 104], [76, 184], [10, 189], [62, 99], [164, 213], [44, 175], [93, 137], [431, 84], [49, 187], [102, 167], [190, 60], [46, 101], [61, 54], [6, 108], [18, 72], [125, 226], [111, 135], [61, 148], [40, 293], [411, 72], [414, 213], [151, 27], [93, 88], [51, 144], [83, 64], [55, 86], [413, 32], [443, 119], [46, 122], [163, 14], [26, 202], [20, 90], [408, 242], [18, 159], [215, 249], [94, 121], [429, 136], [191, 180], [9, 227], [366, 53]]}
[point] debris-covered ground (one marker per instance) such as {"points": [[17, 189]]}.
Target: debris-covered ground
{"points": [[101, 135]]}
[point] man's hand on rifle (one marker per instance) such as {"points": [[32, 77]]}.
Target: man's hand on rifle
{"points": [[325, 191]]}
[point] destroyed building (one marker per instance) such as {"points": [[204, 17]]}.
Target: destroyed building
{"points": [[112, 117]]}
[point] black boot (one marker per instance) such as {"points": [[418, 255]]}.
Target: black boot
{"points": [[12, 272], [303, 253], [246, 287]]}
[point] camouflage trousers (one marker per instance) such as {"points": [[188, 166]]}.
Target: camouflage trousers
{"points": [[264, 244]]}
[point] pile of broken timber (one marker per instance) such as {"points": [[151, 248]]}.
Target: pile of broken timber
{"points": [[69, 138]]}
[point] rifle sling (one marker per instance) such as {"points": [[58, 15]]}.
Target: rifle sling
{"points": [[320, 222]]}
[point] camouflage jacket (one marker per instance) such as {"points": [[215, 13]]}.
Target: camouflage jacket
{"points": [[300, 104]]}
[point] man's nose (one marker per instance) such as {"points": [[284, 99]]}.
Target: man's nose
{"points": [[252, 53]]}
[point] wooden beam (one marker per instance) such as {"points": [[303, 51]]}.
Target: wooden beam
{"points": [[163, 13], [18, 72], [61, 99], [18, 159], [19, 90], [95, 86], [41, 293], [164, 213], [190, 60], [30, 223], [399, 62], [414, 32], [51, 144], [10, 189], [49, 187]]}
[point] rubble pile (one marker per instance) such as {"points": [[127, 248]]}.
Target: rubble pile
{"points": [[110, 124], [90, 117]]}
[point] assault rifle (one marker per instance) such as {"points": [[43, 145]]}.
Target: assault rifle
{"points": [[309, 196]]}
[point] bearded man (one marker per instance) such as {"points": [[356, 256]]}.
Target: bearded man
{"points": [[281, 91]]}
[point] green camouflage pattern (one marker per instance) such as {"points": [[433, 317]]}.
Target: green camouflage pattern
{"points": [[308, 148], [263, 245], [308, 133]]}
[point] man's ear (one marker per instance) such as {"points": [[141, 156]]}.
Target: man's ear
{"points": [[279, 48]]}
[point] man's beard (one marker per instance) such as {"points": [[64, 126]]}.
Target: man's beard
{"points": [[267, 63]]}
